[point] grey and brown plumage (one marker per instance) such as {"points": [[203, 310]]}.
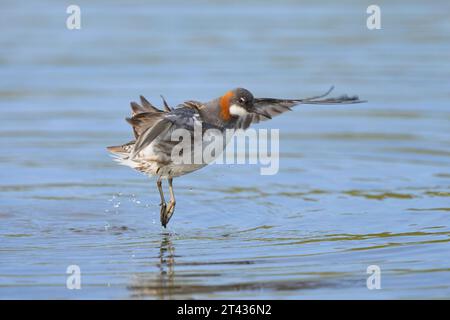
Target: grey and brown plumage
{"points": [[150, 152]]}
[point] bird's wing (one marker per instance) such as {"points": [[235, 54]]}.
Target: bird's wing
{"points": [[196, 105], [159, 126], [149, 126], [185, 115], [144, 107], [148, 122], [266, 108]]}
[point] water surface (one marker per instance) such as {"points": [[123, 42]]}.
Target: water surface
{"points": [[358, 185]]}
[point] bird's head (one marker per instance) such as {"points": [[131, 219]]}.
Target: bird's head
{"points": [[236, 103]]}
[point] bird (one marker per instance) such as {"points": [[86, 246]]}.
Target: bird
{"points": [[150, 152]]}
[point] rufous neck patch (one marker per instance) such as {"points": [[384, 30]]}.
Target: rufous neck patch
{"points": [[225, 106]]}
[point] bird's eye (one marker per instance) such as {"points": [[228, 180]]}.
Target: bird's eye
{"points": [[242, 100]]}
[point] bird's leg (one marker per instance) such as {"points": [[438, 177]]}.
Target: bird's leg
{"points": [[163, 205], [172, 202]]}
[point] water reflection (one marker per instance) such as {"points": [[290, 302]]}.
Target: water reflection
{"points": [[195, 277], [360, 185], [163, 286], [166, 267]]}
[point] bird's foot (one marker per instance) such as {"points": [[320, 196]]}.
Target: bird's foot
{"points": [[167, 212], [170, 210], [163, 214]]}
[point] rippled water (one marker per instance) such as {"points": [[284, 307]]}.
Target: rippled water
{"points": [[358, 185]]}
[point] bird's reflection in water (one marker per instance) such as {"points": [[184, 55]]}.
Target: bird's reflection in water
{"points": [[159, 285], [165, 284], [166, 266]]}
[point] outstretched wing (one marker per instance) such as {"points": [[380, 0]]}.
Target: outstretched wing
{"points": [[266, 108], [149, 126], [149, 122]]}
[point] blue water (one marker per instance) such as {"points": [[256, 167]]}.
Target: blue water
{"points": [[358, 185]]}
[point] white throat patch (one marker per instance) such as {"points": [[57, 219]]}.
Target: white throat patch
{"points": [[238, 111]]}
